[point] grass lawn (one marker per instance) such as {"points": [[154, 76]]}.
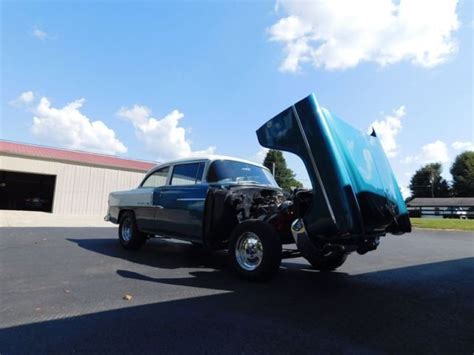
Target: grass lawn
{"points": [[443, 223]]}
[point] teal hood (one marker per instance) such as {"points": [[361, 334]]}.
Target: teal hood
{"points": [[354, 189]]}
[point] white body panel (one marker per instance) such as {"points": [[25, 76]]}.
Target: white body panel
{"points": [[135, 197]]}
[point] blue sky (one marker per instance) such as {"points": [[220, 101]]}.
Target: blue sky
{"points": [[170, 79]]}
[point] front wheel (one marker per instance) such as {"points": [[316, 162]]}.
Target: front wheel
{"points": [[129, 235], [255, 250]]}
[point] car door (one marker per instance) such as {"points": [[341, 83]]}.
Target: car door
{"points": [[147, 202], [181, 202]]}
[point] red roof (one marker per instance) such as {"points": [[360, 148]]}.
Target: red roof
{"points": [[72, 156]]}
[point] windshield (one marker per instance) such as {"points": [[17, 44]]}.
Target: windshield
{"points": [[229, 171]]}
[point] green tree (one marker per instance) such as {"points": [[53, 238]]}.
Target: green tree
{"points": [[284, 176], [428, 182], [462, 171]]}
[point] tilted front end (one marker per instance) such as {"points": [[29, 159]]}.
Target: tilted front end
{"points": [[354, 190]]}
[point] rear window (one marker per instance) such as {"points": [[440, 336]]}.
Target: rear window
{"points": [[157, 179]]}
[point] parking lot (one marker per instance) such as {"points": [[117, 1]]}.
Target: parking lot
{"points": [[62, 290]]}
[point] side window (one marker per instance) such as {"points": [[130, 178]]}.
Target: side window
{"points": [[158, 178], [187, 174]]}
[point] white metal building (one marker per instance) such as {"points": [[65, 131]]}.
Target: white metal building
{"points": [[62, 181]]}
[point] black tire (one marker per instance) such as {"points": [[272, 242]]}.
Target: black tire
{"points": [[129, 235], [264, 251], [328, 262]]}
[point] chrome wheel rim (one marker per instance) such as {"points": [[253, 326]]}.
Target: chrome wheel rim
{"points": [[127, 228], [249, 251]]}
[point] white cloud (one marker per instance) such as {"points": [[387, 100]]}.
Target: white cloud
{"points": [[24, 99], [463, 145], [70, 128], [388, 129], [163, 137], [405, 191], [27, 97], [339, 34], [436, 152], [259, 157], [40, 34]]}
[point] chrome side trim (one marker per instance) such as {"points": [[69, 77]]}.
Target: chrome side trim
{"points": [[313, 163], [191, 199]]}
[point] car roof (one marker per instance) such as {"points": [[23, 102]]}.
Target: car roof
{"points": [[210, 158]]}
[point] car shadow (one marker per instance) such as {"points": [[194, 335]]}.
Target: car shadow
{"points": [[416, 309], [158, 252]]}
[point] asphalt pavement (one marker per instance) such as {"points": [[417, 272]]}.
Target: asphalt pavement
{"points": [[75, 290]]}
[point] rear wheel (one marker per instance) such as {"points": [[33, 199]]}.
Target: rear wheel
{"points": [[129, 235], [255, 250], [328, 262]]}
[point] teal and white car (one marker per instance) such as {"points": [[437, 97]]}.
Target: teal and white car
{"points": [[229, 203]]}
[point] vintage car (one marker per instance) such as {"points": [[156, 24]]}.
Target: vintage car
{"points": [[233, 204]]}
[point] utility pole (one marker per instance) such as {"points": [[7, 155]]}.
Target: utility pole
{"points": [[273, 169], [432, 184]]}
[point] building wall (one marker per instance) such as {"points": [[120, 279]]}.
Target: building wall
{"points": [[80, 189]]}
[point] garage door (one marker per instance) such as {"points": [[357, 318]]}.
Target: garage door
{"points": [[25, 191]]}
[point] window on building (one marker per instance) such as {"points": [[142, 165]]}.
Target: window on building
{"points": [[158, 178], [187, 174]]}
